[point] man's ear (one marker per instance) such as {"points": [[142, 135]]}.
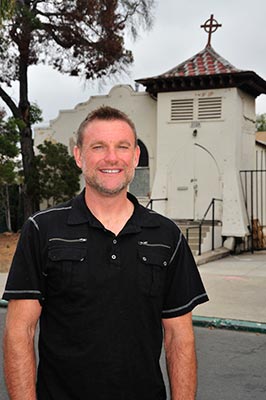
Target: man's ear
{"points": [[77, 156], [137, 155]]}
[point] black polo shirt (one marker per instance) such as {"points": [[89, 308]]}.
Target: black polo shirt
{"points": [[103, 298]]}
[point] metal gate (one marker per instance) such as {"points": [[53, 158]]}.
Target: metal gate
{"points": [[254, 190]]}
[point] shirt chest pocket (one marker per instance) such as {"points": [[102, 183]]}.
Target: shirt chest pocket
{"points": [[66, 267], [152, 262]]}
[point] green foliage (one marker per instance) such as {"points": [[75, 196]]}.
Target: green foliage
{"points": [[35, 114], [8, 163], [58, 173], [7, 8], [9, 150], [261, 122]]}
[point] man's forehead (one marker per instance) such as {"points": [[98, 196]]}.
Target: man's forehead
{"points": [[108, 122], [112, 128]]}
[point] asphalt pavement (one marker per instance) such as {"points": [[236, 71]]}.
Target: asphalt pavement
{"points": [[231, 364]]}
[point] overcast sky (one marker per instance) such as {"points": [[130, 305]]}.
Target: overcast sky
{"points": [[175, 37]]}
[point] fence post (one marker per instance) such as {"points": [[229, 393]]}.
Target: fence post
{"points": [[213, 214], [200, 239], [251, 212]]}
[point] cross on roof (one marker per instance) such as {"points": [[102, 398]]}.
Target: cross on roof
{"points": [[210, 26]]}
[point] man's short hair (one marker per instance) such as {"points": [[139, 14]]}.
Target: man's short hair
{"points": [[104, 113]]}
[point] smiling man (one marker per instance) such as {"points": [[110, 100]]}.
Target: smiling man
{"points": [[106, 277], [108, 156]]}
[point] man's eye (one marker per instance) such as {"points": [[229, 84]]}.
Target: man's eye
{"points": [[123, 146]]}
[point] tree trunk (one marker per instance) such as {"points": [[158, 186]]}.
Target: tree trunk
{"points": [[29, 185], [26, 140], [8, 215]]}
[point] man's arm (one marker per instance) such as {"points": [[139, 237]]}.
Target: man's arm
{"points": [[19, 355], [181, 357]]}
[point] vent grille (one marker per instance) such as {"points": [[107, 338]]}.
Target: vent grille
{"points": [[182, 110], [210, 108]]}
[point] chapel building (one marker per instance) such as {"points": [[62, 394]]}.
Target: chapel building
{"points": [[197, 133]]}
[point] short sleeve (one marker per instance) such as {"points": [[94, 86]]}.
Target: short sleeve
{"points": [[25, 279], [184, 289]]}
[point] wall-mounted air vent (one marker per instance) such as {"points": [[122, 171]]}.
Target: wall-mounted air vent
{"points": [[182, 110], [210, 108]]}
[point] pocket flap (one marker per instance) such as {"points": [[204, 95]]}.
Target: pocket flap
{"points": [[67, 253], [153, 256]]}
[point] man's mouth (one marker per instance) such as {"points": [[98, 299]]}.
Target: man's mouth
{"points": [[110, 171]]}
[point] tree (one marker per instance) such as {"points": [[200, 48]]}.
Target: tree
{"points": [[58, 173], [78, 37], [6, 9], [261, 123], [9, 150]]}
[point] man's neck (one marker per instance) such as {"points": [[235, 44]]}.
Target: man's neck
{"points": [[112, 211]]}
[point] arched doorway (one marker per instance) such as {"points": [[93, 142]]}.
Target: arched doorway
{"points": [[194, 178]]}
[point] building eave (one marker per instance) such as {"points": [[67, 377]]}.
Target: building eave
{"points": [[248, 81], [261, 143]]}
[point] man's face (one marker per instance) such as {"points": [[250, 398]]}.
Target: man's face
{"points": [[108, 156]]}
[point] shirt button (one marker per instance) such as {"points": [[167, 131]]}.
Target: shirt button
{"points": [[165, 263], [144, 258], [114, 241], [113, 256]]}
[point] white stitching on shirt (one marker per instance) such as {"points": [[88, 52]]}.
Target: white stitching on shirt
{"points": [[177, 246], [34, 222], [32, 219], [52, 209], [186, 305], [23, 291]]}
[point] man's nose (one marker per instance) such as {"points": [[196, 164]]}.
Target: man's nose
{"points": [[111, 155]]}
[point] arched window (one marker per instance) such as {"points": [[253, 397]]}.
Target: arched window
{"points": [[144, 156], [140, 186]]}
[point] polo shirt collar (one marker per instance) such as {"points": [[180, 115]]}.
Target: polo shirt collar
{"points": [[81, 214], [142, 216]]}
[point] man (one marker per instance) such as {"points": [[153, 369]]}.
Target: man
{"points": [[103, 275]]}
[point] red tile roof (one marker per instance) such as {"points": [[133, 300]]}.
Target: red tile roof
{"points": [[206, 62], [205, 70]]}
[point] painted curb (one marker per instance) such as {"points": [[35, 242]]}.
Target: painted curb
{"points": [[232, 324], [3, 303]]}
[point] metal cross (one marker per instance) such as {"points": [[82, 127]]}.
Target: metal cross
{"points": [[210, 26]]}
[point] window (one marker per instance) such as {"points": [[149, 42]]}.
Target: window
{"points": [[140, 186]]}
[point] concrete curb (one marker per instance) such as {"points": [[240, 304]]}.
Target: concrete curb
{"points": [[232, 324], [212, 255]]}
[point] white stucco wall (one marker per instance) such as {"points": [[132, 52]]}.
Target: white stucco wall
{"points": [[193, 169]]}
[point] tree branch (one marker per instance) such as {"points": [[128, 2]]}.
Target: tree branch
{"points": [[10, 103], [67, 43], [49, 14]]}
